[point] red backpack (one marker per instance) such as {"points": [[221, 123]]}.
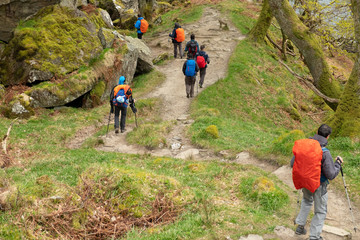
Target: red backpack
{"points": [[306, 171], [201, 61]]}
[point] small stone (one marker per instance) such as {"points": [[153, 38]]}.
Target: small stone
{"points": [[175, 146]]}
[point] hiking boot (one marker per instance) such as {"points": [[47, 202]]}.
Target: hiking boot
{"points": [[320, 238], [116, 130], [123, 130], [187, 95], [300, 230], [200, 85]]}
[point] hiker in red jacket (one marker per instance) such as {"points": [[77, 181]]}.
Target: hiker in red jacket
{"points": [[329, 170], [202, 60]]}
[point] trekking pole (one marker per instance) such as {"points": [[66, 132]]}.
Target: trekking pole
{"points": [[107, 129], [135, 120], [347, 195]]}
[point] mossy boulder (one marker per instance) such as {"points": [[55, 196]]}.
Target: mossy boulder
{"points": [[19, 107], [56, 40], [95, 82]]}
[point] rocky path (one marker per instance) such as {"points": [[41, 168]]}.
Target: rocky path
{"points": [[219, 45]]}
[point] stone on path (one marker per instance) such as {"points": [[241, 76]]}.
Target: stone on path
{"points": [[188, 154], [336, 233], [252, 237], [283, 231], [284, 173]]}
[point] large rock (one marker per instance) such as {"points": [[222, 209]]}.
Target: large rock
{"points": [[127, 56], [15, 10], [56, 41]]}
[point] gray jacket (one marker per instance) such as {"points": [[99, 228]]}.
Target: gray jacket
{"points": [[329, 169]]}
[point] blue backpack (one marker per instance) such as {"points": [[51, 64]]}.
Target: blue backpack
{"points": [[120, 99], [190, 68]]}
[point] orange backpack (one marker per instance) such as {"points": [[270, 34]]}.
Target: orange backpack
{"points": [[180, 35], [306, 171], [144, 25]]}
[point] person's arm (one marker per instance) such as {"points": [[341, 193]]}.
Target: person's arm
{"points": [[196, 67], [329, 168], [173, 34], [197, 47], [207, 58], [137, 24], [292, 161], [184, 67], [186, 47]]}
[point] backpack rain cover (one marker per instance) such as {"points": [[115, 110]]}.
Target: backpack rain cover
{"points": [[306, 171]]}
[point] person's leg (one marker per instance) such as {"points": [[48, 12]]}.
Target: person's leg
{"points": [[123, 118], [202, 76], [193, 80], [175, 49], [140, 35], [306, 205], [320, 210], [187, 86], [116, 123], [180, 50]]}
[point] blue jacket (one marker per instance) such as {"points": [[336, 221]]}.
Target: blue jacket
{"points": [[138, 24], [206, 57]]}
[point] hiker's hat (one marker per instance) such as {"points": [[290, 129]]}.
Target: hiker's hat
{"points": [[121, 80]]}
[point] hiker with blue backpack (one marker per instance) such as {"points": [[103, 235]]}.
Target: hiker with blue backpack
{"points": [[313, 167], [120, 97], [202, 59], [192, 46], [141, 25], [177, 37], [190, 68]]}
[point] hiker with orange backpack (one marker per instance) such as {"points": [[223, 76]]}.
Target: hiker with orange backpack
{"points": [[120, 97], [192, 46], [141, 25], [190, 68], [313, 167], [177, 37], [202, 60]]}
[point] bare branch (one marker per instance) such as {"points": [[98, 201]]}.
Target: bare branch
{"points": [[7, 136], [278, 47], [309, 82]]}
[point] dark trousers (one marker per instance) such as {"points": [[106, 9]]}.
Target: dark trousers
{"points": [[176, 46], [202, 76], [189, 84], [119, 109], [140, 35]]}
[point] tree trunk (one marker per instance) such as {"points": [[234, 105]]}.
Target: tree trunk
{"points": [[309, 46], [258, 32], [347, 117]]}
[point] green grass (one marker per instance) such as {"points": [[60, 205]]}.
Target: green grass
{"points": [[250, 108], [180, 15]]}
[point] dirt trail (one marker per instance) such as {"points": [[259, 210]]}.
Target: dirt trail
{"points": [[219, 45]]}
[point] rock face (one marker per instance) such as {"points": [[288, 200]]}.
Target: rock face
{"points": [[94, 84], [68, 52], [12, 11]]}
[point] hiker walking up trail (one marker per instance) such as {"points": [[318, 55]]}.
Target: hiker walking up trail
{"points": [[177, 37], [141, 25], [202, 59], [120, 97], [192, 46], [190, 68], [312, 167]]}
